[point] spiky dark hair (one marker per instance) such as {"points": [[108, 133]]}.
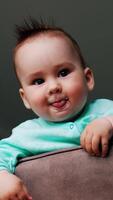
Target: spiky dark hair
{"points": [[33, 27]]}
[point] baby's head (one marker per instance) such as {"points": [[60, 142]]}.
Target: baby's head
{"points": [[54, 78]]}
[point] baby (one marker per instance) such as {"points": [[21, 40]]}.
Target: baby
{"points": [[54, 82]]}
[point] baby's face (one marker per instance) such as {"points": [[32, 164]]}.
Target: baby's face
{"points": [[54, 85]]}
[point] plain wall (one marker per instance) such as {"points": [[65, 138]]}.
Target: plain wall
{"points": [[89, 22]]}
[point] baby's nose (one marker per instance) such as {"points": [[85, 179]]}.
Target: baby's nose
{"points": [[54, 88]]}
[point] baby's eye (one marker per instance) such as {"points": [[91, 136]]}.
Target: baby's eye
{"points": [[64, 72], [38, 81]]}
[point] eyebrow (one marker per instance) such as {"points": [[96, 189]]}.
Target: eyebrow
{"points": [[40, 72], [33, 75]]}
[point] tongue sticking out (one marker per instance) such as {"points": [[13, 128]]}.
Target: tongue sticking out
{"points": [[59, 104]]}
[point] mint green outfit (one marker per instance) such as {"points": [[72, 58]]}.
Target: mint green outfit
{"points": [[37, 136]]}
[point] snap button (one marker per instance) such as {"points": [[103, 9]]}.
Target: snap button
{"points": [[71, 126]]}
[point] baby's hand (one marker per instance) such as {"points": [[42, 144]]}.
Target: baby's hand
{"points": [[95, 138], [11, 187]]}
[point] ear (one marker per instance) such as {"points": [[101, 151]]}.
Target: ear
{"points": [[24, 99], [89, 78]]}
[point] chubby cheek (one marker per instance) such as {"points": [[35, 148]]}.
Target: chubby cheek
{"points": [[78, 93], [36, 100], [38, 103]]}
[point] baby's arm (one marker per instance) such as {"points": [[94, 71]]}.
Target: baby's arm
{"points": [[95, 138], [11, 187]]}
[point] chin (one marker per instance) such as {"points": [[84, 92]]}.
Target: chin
{"points": [[65, 118]]}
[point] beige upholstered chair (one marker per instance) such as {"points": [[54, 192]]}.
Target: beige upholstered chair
{"points": [[69, 174]]}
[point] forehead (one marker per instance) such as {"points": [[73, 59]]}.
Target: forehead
{"points": [[40, 39], [44, 49], [37, 40]]}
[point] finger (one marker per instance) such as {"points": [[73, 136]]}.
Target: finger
{"points": [[88, 143], [104, 143], [82, 140], [24, 195], [13, 198], [96, 145]]}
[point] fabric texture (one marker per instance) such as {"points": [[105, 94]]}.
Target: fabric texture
{"points": [[37, 136], [68, 175]]}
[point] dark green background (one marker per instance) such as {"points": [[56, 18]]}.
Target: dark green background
{"points": [[89, 21]]}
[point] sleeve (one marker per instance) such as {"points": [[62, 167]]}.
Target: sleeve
{"points": [[10, 152], [30, 138], [102, 107], [13, 148], [96, 109]]}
